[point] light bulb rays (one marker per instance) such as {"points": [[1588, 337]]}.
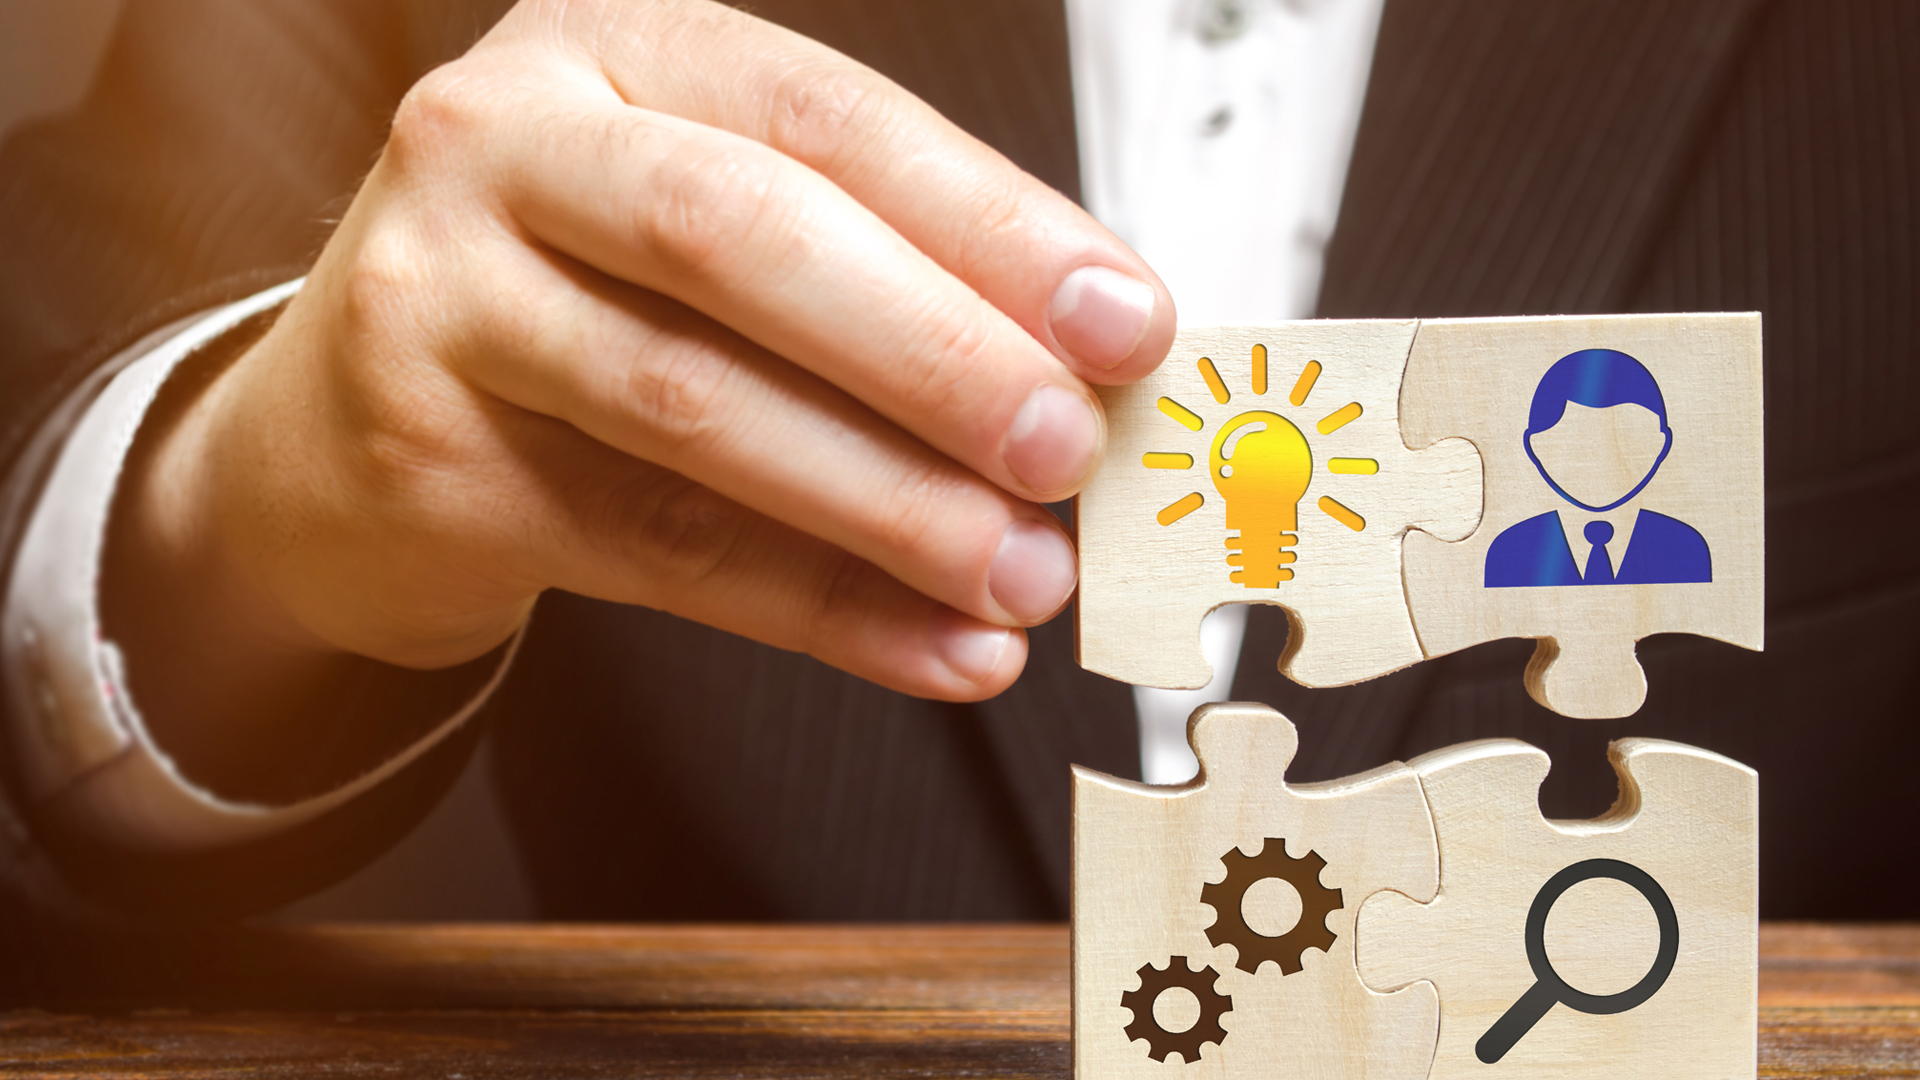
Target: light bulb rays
{"points": [[1339, 418], [1180, 508], [1336, 510], [1262, 465], [1304, 384], [1184, 416], [1214, 382]]}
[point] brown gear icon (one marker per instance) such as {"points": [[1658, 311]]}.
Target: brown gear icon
{"points": [[1316, 903], [1161, 1042]]}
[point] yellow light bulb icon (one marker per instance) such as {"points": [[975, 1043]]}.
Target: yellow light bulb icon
{"points": [[1262, 475]]}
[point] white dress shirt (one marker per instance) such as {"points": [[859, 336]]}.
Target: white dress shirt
{"points": [[1214, 138]]}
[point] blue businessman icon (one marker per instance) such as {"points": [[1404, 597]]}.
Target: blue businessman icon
{"points": [[1598, 433]]}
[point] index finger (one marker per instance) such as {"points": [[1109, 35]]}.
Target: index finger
{"points": [[1025, 248]]}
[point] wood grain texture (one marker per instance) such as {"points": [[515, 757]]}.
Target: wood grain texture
{"points": [[724, 1043], [1813, 965], [1476, 378], [1687, 818], [978, 966], [565, 1001], [1145, 586], [1159, 873]]}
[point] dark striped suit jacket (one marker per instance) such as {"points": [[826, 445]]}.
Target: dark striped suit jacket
{"points": [[1514, 157]]}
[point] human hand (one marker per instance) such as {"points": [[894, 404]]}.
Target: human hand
{"points": [[662, 304]]}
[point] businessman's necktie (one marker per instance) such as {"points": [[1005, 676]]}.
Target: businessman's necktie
{"points": [[1599, 563]]}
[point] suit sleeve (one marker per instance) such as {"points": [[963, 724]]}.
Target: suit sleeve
{"points": [[148, 225]]}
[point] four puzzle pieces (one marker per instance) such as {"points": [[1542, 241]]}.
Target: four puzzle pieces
{"points": [[1232, 898], [1585, 481], [1264, 465], [1239, 925], [1622, 946]]}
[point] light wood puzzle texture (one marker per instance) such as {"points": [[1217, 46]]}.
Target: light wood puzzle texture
{"points": [[1312, 522], [1154, 866], [1685, 817], [1702, 510]]}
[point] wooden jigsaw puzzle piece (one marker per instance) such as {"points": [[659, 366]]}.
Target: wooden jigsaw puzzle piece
{"points": [[1686, 820], [1688, 540], [1263, 465], [1153, 867]]}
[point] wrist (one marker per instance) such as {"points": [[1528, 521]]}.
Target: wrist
{"points": [[230, 682], [206, 647]]}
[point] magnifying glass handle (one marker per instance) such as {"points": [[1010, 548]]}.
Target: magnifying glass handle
{"points": [[1517, 1021]]}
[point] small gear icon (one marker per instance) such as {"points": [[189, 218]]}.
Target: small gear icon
{"points": [[1161, 1042], [1316, 903]]}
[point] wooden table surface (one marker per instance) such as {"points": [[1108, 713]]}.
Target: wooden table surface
{"points": [[880, 1001]]}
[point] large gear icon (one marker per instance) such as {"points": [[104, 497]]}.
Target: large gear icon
{"points": [[1316, 903], [1161, 1042]]}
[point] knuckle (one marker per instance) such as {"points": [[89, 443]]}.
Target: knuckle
{"points": [[828, 114], [407, 420], [687, 532], [841, 598], [682, 392], [384, 273], [914, 510], [1004, 218], [441, 113], [957, 345], [409, 440], [822, 112], [516, 323], [408, 430], [723, 203]]}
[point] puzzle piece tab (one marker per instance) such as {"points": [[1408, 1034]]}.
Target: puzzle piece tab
{"points": [[1232, 897], [1263, 465], [1623, 452], [1622, 946]]}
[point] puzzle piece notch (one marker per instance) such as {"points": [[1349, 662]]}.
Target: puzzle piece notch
{"points": [[1146, 586], [1686, 817], [1144, 854], [1476, 379]]}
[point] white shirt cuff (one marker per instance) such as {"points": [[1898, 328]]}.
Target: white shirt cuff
{"points": [[82, 749]]}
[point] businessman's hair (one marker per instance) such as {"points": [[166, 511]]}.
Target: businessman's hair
{"points": [[1596, 378]]}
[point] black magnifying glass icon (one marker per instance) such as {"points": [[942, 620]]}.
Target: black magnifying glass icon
{"points": [[1549, 988]]}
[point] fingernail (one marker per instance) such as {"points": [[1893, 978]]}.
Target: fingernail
{"points": [[971, 648], [1100, 315], [1053, 440], [1033, 572]]}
